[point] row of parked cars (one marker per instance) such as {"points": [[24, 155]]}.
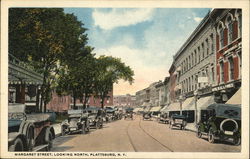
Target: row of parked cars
{"points": [[219, 122], [34, 131], [92, 117]]}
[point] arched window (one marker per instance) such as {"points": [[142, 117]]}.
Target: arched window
{"points": [[229, 24], [220, 31], [238, 15]]}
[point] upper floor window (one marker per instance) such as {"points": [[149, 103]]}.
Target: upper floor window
{"points": [[198, 54], [220, 31], [231, 68], [207, 47], [202, 50], [230, 28], [195, 57], [212, 43]]}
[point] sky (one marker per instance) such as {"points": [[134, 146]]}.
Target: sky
{"points": [[146, 39]]}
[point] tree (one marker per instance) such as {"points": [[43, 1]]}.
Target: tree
{"points": [[110, 70], [47, 39], [79, 78]]}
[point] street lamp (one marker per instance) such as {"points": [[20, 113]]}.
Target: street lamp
{"points": [[196, 111]]}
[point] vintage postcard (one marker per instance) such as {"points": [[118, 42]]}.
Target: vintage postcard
{"points": [[124, 79]]}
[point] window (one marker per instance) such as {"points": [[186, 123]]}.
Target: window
{"points": [[192, 57], [240, 25], [189, 64], [198, 54], [207, 46], [230, 29], [202, 50], [231, 68], [192, 82], [240, 63], [212, 74], [221, 71], [195, 57], [212, 43], [221, 36]]}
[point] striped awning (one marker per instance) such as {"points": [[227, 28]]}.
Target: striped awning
{"points": [[155, 109], [174, 107], [189, 104], [236, 98]]}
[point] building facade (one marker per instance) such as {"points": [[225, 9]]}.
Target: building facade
{"points": [[228, 25], [124, 100]]}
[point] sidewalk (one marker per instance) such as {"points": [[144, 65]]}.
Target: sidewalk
{"points": [[191, 127]]}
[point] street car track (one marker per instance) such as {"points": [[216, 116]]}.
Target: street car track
{"points": [[130, 140], [154, 137]]}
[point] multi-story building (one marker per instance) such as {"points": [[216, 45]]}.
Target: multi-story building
{"points": [[228, 25], [207, 68], [162, 89], [141, 97], [124, 100]]}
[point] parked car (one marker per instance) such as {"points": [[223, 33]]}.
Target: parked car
{"points": [[110, 114], [221, 122], [128, 114], [77, 122], [177, 120], [147, 115], [29, 132], [95, 116], [164, 118]]}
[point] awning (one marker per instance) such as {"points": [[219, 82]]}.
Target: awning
{"points": [[164, 109], [204, 102], [145, 104], [189, 104], [30, 104], [236, 98], [77, 105], [147, 109], [155, 109], [136, 110], [174, 107]]}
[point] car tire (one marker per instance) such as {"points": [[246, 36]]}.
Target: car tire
{"points": [[237, 141], [50, 142], [63, 131], [30, 139], [198, 133], [83, 131], [17, 146], [211, 136]]}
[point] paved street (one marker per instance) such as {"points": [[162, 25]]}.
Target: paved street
{"points": [[139, 136]]}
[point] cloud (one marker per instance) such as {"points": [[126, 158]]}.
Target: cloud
{"points": [[135, 58], [197, 19], [120, 17]]}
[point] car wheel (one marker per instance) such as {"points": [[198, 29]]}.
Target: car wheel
{"points": [[50, 142], [237, 140], [97, 125], [83, 129], [211, 136], [30, 141], [198, 133], [17, 146], [63, 131]]}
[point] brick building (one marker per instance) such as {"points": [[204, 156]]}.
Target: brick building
{"points": [[228, 25]]}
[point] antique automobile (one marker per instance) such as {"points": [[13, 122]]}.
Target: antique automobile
{"points": [[128, 114], [147, 115], [95, 116], [77, 122], [110, 114], [164, 118], [177, 120], [29, 132], [221, 122]]}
